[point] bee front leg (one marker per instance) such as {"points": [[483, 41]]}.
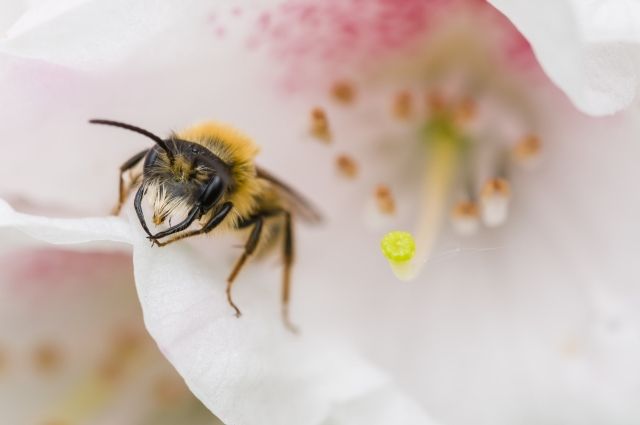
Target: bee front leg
{"points": [[123, 189], [213, 222], [137, 204]]}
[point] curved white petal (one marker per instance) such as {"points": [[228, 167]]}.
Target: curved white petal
{"points": [[251, 370], [247, 370], [66, 231], [110, 31], [590, 49]]}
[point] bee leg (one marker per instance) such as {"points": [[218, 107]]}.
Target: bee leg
{"points": [[288, 256], [125, 190], [249, 248], [137, 203], [183, 225], [215, 220]]}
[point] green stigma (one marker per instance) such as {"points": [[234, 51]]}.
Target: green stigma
{"points": [[398, 247]]}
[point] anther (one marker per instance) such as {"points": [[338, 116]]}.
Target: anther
{"points": [[465, 217], [3, 360], [527, 151], [320, 125], [343, 92], [125, 345], [169, 390], [403, 105], [347, 166], [384, 200], [494, 198], [46, 358], [465, 110], [436, 102]]}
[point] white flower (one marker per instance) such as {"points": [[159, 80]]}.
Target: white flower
{"points": [[532, 322], [589, 48]]}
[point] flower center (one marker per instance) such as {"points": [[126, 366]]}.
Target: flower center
{"points": [[472, 142]]}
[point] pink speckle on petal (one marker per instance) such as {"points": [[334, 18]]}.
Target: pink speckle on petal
{"points": [[34, 273], [300, 30], [334, 34], [264, 21]]}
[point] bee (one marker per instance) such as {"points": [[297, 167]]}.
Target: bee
{"points": [[206, 175]]}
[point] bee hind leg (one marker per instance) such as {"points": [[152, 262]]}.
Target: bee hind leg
{"points": [[288, 257], [249, 248], [125, 189]]}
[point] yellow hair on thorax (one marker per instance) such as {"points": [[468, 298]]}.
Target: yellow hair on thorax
{"points": [[238, 151]]}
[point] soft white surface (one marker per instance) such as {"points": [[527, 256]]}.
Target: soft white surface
{"points": [[111, 30], [66, 231], [249, 370], [589, 48]]}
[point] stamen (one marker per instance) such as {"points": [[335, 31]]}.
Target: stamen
{"points": [[384, 200], [343, 92], [347, 166], [320, 125], [403, 105], [465, 218], [443, 153], [169, 390], [47, 358], [3, 360], [494, 198], [442, 162], [465, 111], [399, 248], [527, 151], [97, 389], [436, 102]]}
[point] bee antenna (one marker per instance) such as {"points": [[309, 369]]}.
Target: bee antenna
{"points": [[139, 130]]}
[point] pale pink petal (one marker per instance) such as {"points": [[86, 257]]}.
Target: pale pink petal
{"points": [[590, 49]]}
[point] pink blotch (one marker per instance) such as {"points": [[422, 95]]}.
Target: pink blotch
{"points": [[219, 32], [336, 29], [337, 32], [36, 272], [264, 20]]}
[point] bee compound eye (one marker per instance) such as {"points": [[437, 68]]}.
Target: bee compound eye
{"points": [[212, 193]]}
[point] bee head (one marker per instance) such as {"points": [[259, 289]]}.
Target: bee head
{"points": [[190, 177], [179, 177]]}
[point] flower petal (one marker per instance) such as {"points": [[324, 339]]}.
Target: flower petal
{"points": [[89, 34], [66, 231], [589, 49], [251, 370]]}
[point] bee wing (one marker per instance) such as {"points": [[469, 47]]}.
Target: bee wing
{"points": [[299, 204]]}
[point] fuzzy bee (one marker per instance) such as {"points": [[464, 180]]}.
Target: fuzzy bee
{"points": [[206, 175]]}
